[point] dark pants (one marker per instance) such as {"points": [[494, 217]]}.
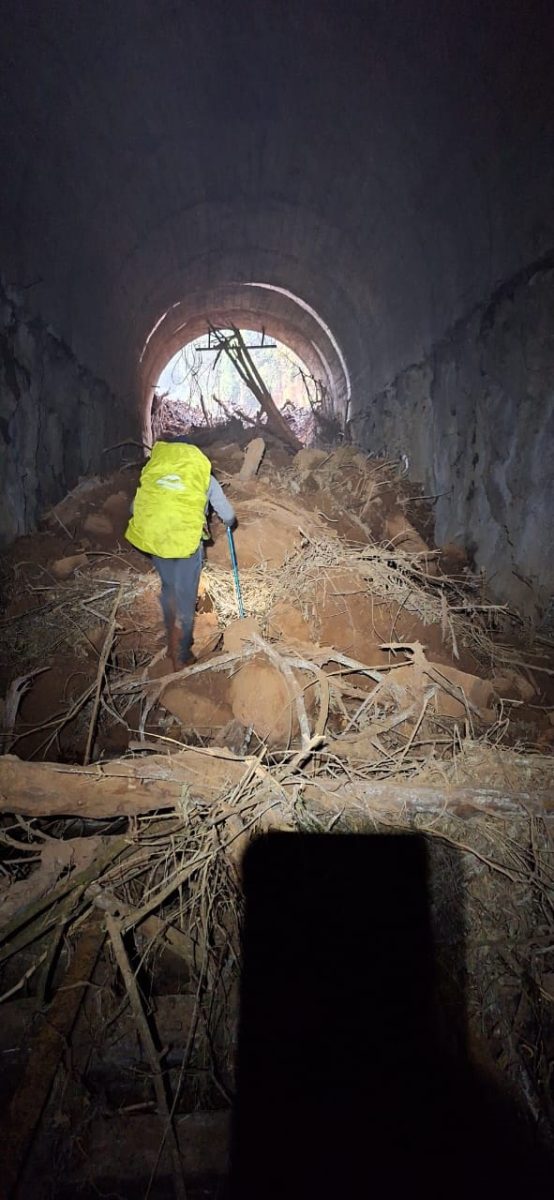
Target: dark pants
{"points": [[180, 578]]}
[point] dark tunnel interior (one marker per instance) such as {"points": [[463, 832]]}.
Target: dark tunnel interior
{"points": [[371, 184], [374, 180]]}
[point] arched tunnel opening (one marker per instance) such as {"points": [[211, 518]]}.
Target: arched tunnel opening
{"points": [[276, 557], [201, 388], [260, 309]]}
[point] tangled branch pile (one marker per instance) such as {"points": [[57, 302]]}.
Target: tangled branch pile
{"points": [[374, 686]]}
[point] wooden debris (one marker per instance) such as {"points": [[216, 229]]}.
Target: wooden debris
{"points": [[62, 568], [371, 799], [122, 787], [57, 907], [45, 1054], [108, 642], [252, 459], [152, 1054], [233, 345]]}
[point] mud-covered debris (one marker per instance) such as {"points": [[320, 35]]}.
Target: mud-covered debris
{"points": [[98, 525], [62, 568]]}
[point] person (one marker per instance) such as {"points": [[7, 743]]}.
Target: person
{"points": [[168, 522]]}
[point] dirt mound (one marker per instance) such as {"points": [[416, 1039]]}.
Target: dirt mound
{"points": [[456, 694], [263, 700], [311, 576], [267, 533], [201, 703], [106, 500], [345, 615], [238, 633], [286, 622]]}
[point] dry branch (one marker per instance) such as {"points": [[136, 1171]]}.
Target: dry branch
{"points": [[236, 350], [46, 1048], [396, 799], [141, 785], [123, 787], [151, 1053], [108, 642]]}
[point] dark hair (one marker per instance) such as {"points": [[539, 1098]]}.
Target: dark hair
{"points": [[177, 437]]}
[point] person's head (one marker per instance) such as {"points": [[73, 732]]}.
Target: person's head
{"points": [[176, 437]]}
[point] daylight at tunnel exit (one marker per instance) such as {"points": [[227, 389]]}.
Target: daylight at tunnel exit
{"points": [[277, 611]]}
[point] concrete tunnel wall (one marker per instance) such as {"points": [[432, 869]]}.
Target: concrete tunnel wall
{"points": [[388, 164]]}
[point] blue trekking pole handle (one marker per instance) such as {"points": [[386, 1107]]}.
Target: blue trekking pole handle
{"points": [[234, 565]]}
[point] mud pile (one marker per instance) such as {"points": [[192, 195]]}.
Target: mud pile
{"points": [[371, 686], [335, 553]]}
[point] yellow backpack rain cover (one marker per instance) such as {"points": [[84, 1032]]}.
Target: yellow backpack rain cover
{"points": [[170, 504]]}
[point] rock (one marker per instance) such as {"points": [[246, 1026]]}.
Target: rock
{"points": [[479, 692], [206, 633], [228, 459], [117, 508], [201, 702], [62, 568], [238, 632], [260, 699], [308, 460], [404, 537], [266, 538], [344, 617], [98, 524], [308, 485], [453, 558], [287, 622], [514, 686], [252, 458], [234, 736]]}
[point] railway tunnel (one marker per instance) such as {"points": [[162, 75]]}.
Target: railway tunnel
{"points": [[376, 186], [371, 184]]}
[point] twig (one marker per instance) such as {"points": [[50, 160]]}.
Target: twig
{"points": [[100, 674], [30, 971], [64, 527], [114, 929], [295, 693]]}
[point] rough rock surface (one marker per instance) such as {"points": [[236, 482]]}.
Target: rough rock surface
{"points": [[476, 420], [56, 419]]}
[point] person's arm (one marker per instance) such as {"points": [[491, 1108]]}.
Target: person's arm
{"points": [[220, 503]]}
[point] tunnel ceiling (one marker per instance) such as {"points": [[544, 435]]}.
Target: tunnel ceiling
{"points": [[385, 164]]}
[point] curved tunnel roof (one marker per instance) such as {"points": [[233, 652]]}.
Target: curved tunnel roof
{"points": [[351, 176]]}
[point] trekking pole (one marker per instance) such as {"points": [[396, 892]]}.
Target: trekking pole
{"points": [[234, 565]]}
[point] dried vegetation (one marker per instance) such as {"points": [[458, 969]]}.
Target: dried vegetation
{"points": [[376, 688]]}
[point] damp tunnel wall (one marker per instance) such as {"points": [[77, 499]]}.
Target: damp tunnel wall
{"points": [[390, 166]]}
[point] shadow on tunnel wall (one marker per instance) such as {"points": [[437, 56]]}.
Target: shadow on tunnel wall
{"points": [[353, 1074]]}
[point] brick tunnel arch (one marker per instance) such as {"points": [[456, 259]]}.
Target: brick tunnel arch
{"points": [[257, 306]]}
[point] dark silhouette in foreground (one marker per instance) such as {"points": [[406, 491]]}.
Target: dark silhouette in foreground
{"points": [[348, 1083]]}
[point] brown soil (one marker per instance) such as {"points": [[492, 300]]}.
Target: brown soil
{"points": [[292, 502], [228, 763]]}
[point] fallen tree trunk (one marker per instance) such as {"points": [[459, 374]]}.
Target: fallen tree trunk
{"points": [[235, 349], [394, 799], [123, 787], [45, 1052]]}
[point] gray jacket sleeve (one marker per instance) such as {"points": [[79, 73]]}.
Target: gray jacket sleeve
{"points": [[219, 502]]}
